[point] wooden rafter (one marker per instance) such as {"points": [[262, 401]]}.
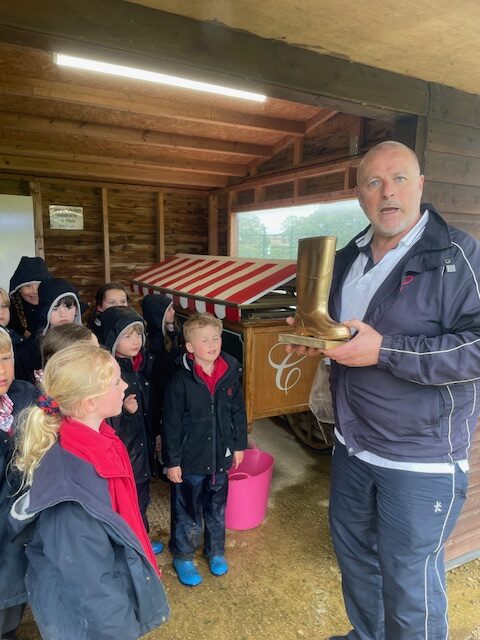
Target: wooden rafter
{"points": [[37, 165], [43, 149], [129, 135], [123, 101]]}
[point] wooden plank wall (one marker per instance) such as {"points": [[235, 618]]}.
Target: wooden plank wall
{"points": [[452, 158], [76, 256], [452, 172], [132, 221], [132, 215]]}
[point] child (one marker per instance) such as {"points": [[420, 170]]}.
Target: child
{"points": [[165, 343], [5, 318], [24, 295], [15, 395], [59, 337], [204, 432], [59, 304], [111, 294], [124, 337], [91, 571]]}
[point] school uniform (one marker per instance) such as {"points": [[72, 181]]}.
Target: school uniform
{"points": [[165, 363], [28, 271], [28, 358], [133, 429], [91, 574], [204, 423], [13, 562]]}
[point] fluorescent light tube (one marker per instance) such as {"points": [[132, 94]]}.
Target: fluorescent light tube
{"points": [[152, 76]]}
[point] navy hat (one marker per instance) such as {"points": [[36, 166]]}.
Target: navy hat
{"points": [[116, 321], [50, 294], [29, 270]]}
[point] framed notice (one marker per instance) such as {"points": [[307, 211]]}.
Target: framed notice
{"points": [[63, 216]]}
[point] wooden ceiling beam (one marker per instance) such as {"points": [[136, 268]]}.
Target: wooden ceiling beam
{"points": [[39, 166], [159, 107], [319, 118], [45, 150], [129, 135], [134, 35]]}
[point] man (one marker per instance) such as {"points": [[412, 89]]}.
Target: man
{"points": [[405, 391]]}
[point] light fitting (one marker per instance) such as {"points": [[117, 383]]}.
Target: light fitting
{"points": [[152, 76]]}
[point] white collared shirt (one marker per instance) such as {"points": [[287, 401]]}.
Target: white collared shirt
{"points": [[360, 287]]}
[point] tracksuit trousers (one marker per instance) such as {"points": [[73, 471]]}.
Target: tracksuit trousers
{"points": [[389, 529]]}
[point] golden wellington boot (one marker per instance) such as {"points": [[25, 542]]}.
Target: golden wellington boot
{"points": [[313, 327]]}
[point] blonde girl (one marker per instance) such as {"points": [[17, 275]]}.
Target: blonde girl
{"points": [[91, 574]]}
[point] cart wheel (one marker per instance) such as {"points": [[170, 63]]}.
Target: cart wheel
{"points": [[315, 434]]}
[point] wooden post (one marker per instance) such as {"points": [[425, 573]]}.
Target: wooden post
{"points": [[106, 237], [231, 228], [36, 193], [212, 225], [297, 152], [160, 226]]}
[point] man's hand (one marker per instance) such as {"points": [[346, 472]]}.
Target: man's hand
{"points": [[174, 474], [238, 458], [130, 404], [298, 348], [362, 350]]}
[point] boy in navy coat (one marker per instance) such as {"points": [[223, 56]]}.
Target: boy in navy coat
{"points": [[204, 433]]}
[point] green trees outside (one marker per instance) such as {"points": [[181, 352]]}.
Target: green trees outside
{"points": [[256, 241]]}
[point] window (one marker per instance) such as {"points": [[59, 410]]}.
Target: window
{"points": [[274, 233]]}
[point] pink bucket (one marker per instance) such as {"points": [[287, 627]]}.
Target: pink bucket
{"points": [[248, 490]]}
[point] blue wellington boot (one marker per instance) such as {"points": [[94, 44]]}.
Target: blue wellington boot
{"points": [[156, 546], [187, 572], [218, 565]]}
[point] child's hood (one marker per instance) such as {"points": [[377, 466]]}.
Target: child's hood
{"points": [[154, 308], [50, 293], [29, 270], [116, 321]]}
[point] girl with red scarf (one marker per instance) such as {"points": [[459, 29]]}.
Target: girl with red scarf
{"points": [[86, 544]]}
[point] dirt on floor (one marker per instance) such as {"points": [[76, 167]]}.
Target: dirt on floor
{"points": [[283, 582]]}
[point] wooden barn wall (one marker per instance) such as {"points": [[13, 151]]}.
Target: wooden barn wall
{"points": [[452, 157], [451, 142], [77, 255], [186, 224], [133, 223], [332, 140], [132, 226]]}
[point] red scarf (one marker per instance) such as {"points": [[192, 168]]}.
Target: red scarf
{"points": [[106, 452], [220, 367]]}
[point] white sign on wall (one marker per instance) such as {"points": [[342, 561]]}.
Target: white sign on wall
{"points": [[64, 216]]}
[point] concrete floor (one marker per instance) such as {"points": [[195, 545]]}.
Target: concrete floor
{"points": [[283, 582]]}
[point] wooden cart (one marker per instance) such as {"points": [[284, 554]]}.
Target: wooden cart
{"points": [[252, 297]]}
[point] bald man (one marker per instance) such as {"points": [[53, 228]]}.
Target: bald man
{"points": [[406, 394]]}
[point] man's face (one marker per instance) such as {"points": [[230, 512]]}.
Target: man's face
{"points": [[389, 191]]}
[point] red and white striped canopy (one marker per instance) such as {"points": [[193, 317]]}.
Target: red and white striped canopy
{"points": [[217, 284]]}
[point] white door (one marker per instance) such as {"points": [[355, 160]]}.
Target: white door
{"points": [[17, 235]]}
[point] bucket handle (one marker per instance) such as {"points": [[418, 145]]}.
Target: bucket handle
{"points": [[238, 475]]}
